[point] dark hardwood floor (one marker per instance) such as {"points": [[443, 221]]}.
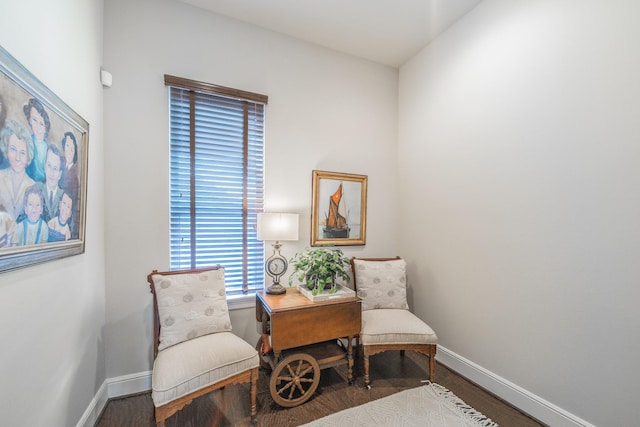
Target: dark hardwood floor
{"points": [[389, 374]]}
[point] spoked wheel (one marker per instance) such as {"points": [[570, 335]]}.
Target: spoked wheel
{"points": [[263, 363], [294, 380]]}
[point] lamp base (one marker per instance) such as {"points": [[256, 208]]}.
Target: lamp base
{"points": [[276, 289]]}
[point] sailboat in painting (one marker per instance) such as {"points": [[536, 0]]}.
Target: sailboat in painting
{"points": [[336, 226]]}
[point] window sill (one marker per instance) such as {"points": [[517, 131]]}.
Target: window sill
{"points": [[236, 302]]}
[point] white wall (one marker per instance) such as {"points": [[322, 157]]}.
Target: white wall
{"points": [[326, 111], [51, 315], [519, 162]]}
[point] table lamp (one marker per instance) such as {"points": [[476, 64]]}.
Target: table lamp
{"points": [[277, 227]]}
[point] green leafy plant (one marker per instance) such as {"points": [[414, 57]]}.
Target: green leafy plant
{"points": [[319, 268]]}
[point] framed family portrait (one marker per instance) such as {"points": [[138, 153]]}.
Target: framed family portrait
{"points": [[338, 209], [43, 171]]}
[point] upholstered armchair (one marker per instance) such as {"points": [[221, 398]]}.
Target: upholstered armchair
{"points": [[195, 351], [387, 323]]}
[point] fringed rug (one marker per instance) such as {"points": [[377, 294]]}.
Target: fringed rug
{"points": [[430, 405]]}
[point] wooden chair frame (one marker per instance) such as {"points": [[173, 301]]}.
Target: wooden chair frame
{"points": [[428, 350], [168, 409]]}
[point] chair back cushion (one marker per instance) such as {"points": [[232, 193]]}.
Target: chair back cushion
{"points": [[381, 283], [190, 305]]}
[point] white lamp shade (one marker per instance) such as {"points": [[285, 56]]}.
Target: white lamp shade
{"points": [[277, 226]]}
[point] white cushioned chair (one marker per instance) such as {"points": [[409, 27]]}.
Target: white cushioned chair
{"points": [[195, 351], [387, 323]]}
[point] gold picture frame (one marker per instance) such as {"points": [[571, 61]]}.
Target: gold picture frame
{"points": [[44, 219], [338, 209]]}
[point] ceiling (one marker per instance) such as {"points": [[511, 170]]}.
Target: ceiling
{"points": [[384, 31]]}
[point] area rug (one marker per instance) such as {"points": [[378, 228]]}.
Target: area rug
{"points": [[431, 405]]}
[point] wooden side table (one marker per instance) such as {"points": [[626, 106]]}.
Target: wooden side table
{"points": [[304, 338]]}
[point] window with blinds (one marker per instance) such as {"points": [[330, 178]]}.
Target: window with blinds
{"points": [[217, 176]]}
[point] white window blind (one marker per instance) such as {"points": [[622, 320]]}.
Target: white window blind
{"points": [[217, 175]]}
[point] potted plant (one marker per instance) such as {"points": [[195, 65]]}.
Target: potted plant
{"points": [[318, 269]]}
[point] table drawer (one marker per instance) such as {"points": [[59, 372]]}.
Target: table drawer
{"points": [[314, 324]]}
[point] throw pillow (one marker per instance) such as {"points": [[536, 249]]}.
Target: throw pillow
{"points": [[381, 284], [191, 305]]}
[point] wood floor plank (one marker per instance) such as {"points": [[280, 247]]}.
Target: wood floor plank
{"points": [[390, 373]]}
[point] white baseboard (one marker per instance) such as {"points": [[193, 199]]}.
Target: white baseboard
{"points": [[522, 399], [97, 404], [113, 388], [129, 384]]}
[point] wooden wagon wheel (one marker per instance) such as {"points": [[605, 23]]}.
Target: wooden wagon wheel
{"points": [[263, 362], [294, 380]]}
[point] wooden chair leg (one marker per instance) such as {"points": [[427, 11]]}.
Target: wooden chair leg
{"points": [[159, 422], [366, 372], [432, 365], [254, 394]]}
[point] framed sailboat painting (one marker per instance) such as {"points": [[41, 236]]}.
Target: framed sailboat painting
{"points": [[338, 209]]}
